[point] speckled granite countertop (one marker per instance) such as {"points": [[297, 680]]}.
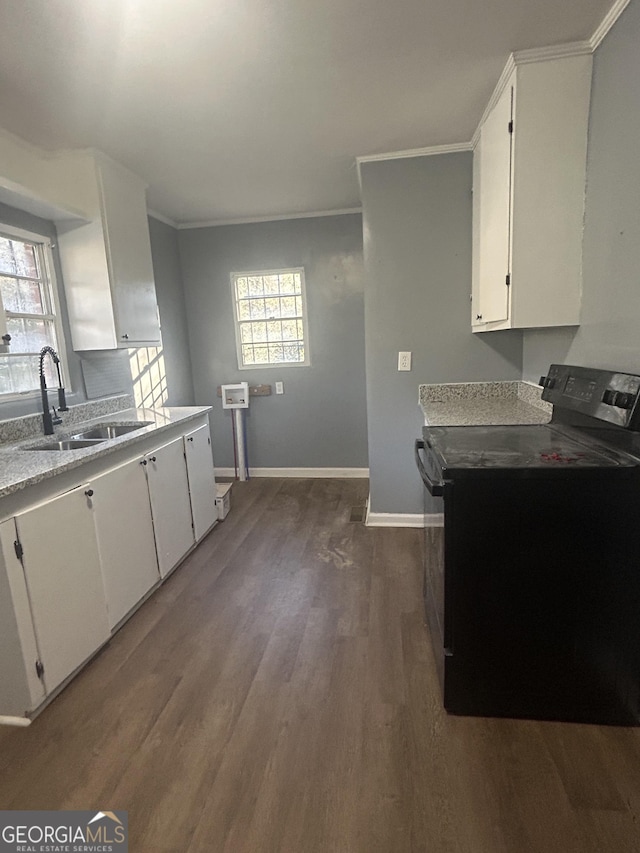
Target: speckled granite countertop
{"points": [[20, 467], [481, 403]]}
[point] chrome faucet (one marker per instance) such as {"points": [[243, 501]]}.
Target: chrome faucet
{"points": [[47, 420]]}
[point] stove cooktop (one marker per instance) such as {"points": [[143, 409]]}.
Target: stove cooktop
{"points": [[526, 447]]}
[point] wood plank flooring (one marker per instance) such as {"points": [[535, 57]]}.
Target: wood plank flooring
{"points": [[278, 695]]}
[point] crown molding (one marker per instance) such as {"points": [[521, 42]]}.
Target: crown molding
{"points": [[540, 54], [524, 57], [608, 21], [161, 217], [553, 51], [430, 151], [214, 223]]}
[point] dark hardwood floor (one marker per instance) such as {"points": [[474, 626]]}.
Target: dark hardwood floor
{"points": [[278, 693]]}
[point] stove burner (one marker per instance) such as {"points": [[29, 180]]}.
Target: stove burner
{"points": [[559, 457]]}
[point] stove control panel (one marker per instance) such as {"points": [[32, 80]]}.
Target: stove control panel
{"points": [[620, 399], [602, 394]]}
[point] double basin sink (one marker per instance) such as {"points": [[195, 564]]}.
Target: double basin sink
{"points": [[95, 435]]}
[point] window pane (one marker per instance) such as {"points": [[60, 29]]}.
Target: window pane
{"points": [[271, 284], [292, 352], [21, 373], [272, 307], [286, 283], [276, 353], [289, 330], [288, 306], [257, 309], [18, 257], [23, 297], [10, 295], [242, 289], [256, 287], [274, 330], [5, 376], [30, 335], [261, 354], [244, 311], [297, 283], [259, 331], [245, 333]]}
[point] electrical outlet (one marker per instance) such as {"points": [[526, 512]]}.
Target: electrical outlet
{"points": [[404, 361], [279, 387]]}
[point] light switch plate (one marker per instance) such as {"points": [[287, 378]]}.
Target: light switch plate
{"points": [[279, 387]]}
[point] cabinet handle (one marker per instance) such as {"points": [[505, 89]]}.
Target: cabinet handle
{"points": [[190, 438], [478, 316], [153, 458], [126, 336], [89, 493], [143, 461]]}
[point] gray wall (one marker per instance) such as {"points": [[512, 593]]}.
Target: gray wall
{"points": [[320, 421], [173, 316], [417, 250], [608, 334], [20, 219]]}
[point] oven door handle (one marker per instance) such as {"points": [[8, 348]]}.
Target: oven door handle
{"points": [[434, 489]]}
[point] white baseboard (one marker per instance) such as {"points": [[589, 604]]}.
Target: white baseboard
{"points": [[404, 519], [337, 473]]}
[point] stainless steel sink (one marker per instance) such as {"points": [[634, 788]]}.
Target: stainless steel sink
{"points": [[67, 444], [104, 431]]}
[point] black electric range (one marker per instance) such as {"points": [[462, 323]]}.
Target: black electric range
{"points": [[532, 594]]}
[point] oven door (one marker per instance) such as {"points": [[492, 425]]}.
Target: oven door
{"points": [[434, 590]]}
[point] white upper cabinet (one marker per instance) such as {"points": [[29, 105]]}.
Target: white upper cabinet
{"points": [[107, 265], [529, 174]]}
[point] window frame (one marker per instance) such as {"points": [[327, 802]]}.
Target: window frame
{"points": [[45, 244], [271, 365]]}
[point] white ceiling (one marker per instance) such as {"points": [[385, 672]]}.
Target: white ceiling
{"points": [[250, 108]]}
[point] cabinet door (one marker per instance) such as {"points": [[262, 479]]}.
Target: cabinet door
{"points": [[125, 537], [202, 481], [20, 688], [64, 583], [170, 506], [126, 226], [495, 211]]}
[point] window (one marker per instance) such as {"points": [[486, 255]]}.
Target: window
{"points": [[270, 318], [28, 310]]}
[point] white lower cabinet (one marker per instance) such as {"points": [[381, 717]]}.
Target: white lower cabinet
{"points": [[59, 552], [125, 537], [75, 563], [21, 688], [202, 481], [170, 504]]}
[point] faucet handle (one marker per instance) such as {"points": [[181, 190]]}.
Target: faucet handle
{"points": [[56, 419]]}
